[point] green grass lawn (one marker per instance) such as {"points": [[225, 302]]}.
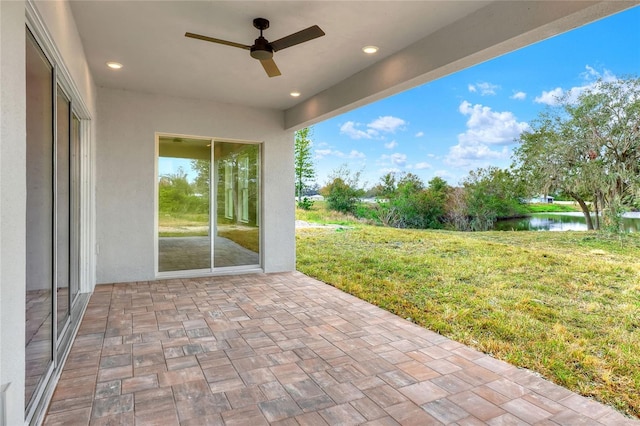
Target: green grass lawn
{"points": [[552, 208], [183, 219], [566, 305], [196, 225], [183, 224], [319, 213]]}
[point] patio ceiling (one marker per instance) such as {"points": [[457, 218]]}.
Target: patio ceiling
{"points": [[418, 41]]}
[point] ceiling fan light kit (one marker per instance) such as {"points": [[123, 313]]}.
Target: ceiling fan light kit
{"points": [[262, 49]]}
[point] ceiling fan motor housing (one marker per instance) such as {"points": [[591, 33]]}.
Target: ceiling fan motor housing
{"points": [[261, 49]]}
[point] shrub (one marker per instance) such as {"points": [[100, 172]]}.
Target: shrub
{"points": [[305, 203], [410, 204], [342, 193], [341, 197]]}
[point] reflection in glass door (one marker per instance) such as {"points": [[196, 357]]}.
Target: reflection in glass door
{"points": [[237, 227], [184, 237], [74, 214], [62, 209], [191, 209], [39, 236]]}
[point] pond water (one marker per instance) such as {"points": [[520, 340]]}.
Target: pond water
{"points": [[560, 222]]}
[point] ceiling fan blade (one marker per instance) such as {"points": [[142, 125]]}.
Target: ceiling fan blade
{"points": [[217, 40], [297, 38], [270, 67]]}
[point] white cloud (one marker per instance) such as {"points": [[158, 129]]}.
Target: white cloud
{"points": [[489, 127], [591, 74], [386, 170], [386, 124], [485, 89], [590, 77], [419, 134], [485, 128], [551, 97], [350, 129], [355, 154], [465, 155], [520, 96], [397, 159], [391, 145], [421, 166], [322, 153]]}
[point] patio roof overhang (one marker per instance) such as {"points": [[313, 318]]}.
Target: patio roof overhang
{"points": [[419, 41]]}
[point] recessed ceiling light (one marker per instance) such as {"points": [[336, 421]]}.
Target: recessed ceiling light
{"points": [[295, 94], [370, 49], [114, 65]]}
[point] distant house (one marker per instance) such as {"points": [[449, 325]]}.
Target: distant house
{"points": [[547, 199]]}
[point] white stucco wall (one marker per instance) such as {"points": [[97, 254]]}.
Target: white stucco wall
{"points": [[12, 206], [125, 180]]}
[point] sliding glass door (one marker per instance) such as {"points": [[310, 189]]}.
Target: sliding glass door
{"points": [[74, 210], [208, 204], [52, 221], [237, 230], [62, 194], [184, 231], [40, 221]]}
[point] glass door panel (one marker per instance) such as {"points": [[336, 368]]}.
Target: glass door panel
{"points": [[184, 237], [74, 234], [62, 210], [237, 229], [39, 218]]}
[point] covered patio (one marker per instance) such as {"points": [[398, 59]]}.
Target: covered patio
{"points": [[103, 103], [286, 349]]}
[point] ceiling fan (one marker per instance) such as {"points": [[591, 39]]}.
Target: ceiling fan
{"points": [[262, 49]]}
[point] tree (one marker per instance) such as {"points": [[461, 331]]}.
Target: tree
{"points": [[176, 195], [303, 161], [490, 194], [408, 204], [456, 210], [203, 172], [387, 186], [438, 189], [588, 148], [343, 191]]}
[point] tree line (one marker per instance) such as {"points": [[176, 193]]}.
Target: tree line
{"points": [[586, 148]]}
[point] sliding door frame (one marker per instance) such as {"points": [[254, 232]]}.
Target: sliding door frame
{"points": [[80, 231], [212, 270]]}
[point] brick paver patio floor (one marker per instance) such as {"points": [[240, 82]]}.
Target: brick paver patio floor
{"points": [[286, 349]]}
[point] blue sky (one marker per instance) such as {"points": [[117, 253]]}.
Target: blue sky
{"points": [[470, 119]]}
